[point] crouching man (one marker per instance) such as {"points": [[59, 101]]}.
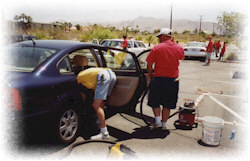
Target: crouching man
{"points": [[102, 80]]}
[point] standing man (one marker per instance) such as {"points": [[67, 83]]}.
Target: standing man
{"points": [[164, 83], [209, 51], [102, 80], [125, 43], [217, 46], [223, 51]]}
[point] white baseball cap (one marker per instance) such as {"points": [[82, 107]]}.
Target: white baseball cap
{"points": [[165, 31]]}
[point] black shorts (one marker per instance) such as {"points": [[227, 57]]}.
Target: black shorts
{"points": [[163, 91]]}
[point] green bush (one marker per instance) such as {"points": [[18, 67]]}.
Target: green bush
{"points": [[98, 32]]}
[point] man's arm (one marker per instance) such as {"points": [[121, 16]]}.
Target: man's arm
{"points": [[150, 69]]}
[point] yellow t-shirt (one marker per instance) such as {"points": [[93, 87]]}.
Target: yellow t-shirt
{"points": [[88, 77]]}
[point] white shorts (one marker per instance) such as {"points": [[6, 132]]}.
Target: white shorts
{"points": [[208, 55], [105, 82]]}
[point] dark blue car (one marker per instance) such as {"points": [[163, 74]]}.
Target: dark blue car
{"points": [[42, 81]]}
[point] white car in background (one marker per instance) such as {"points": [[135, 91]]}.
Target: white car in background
{"points": [[134, 46], [195, 50]]}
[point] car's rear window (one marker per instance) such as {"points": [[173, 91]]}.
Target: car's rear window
{"points": [[196, 44], [26, 59]]}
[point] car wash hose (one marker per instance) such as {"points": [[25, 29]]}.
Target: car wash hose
{"points": [[141, 107]]}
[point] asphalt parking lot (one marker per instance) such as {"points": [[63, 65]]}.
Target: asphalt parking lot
{"points": [[195, 79]]}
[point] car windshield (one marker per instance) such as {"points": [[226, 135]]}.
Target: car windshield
{"points": [[140, 44], [111, 43], [26, 59], [195, 45]]}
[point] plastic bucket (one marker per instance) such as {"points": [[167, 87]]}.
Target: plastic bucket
{"points": [[212, 130]]}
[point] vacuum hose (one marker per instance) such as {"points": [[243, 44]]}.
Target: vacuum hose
{"points": [[85, 142]]}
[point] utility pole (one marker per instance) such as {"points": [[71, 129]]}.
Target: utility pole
{"points": [[171, 18], [200, 23], [213, 27]]}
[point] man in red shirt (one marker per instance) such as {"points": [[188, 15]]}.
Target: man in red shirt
{"points": [[125, 43], [164, 82], [217, 46], [209, 51]]}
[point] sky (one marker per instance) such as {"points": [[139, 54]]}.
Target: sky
{"points": [[99, 11]]}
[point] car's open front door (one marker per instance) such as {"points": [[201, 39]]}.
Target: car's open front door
{"points": [[142, 62], [131, 82]]}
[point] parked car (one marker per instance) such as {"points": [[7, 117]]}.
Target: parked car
{"points": [[195, 50], [22, 37], [134, 46], [41, 81]]}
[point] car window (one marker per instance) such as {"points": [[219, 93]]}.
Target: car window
{"points": [[135, 45], [142, 60], [16, 39], [64, 66], [195, 44], [119, 60], [83, 59], [129, 45], [140, 44], [26, 59]]}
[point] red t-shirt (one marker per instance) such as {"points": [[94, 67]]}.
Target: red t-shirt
{"points": [[217, 45], [210, 47], [166, 56], [223, 50], [125, 43]]}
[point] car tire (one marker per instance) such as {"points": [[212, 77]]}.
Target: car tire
{"points": [[203, 59], [67, 125]]}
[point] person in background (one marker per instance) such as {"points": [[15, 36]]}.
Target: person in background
{"points": [[223, 51], [217, 46], [125, 43], [172, 39], [102, 80], [164, 84], [209, 51]]}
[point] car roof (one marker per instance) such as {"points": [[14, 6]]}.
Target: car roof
{"points": [[196, 42], [55, 44], [120, 40], [113, 40]]}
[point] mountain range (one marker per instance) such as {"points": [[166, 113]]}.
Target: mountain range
{"points": [[150, 24]]}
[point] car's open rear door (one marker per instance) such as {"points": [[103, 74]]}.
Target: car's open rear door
{"points": [[131, 82]]}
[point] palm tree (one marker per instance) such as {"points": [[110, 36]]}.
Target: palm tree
{"points": [[16, 18], [78, 27], [70, 25]]}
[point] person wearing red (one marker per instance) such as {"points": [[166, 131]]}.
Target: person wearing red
{"points": [[125, 43], [209, 51], [164, 84], [217, 46], [172, 39], [223, 51]]}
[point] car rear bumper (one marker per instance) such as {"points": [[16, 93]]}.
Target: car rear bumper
{"points": [[195, 54]]}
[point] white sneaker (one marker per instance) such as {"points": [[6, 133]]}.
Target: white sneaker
{"points": [[164, 128], [100, 136], [157, 125]]}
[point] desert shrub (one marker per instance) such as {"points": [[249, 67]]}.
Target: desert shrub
{"points": [[231, 56], [96, 32]]}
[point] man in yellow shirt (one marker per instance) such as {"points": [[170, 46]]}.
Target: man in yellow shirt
{"points": [[102, 80]]}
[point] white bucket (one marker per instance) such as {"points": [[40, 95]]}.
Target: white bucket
{"points": [[212, 130]]}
